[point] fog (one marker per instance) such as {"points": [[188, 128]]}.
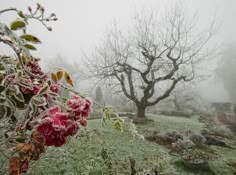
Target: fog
{"points": [[140, 87], [83, 24]]}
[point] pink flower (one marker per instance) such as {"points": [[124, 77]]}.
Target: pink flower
{"points": [[9, 79], [33, 91], [28, 87], [24, 166], [34, 68], [83, 122], [55, 88], [87, 107], [72, 128], [79, 107], [55, 127]]}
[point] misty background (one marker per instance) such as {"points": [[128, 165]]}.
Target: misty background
{"points": [[82, 26]]}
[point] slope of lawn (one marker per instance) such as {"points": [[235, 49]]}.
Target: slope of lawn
{"points": [[107, 152]]}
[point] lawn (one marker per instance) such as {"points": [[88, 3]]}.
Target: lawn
{"points": [[107, 152]]}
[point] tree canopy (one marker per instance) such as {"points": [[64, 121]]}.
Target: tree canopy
{"points": [[147, 61]]}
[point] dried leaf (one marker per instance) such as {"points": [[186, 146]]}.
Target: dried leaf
{"points": [[53, 77], [14, 166], [68, 79], [23, 147], [59, 74]]}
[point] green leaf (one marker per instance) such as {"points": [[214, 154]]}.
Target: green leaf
{"points": [[118, 126], [2, 98], [2, 88], [39, 101], [18, 24], [5, 111], [30, 38], [20, 13], [43, 89], [30, 47]]}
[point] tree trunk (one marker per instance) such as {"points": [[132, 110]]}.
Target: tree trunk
{"points": [[176, 104], [141, 112]]}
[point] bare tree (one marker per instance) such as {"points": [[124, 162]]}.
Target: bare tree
{"points": [[150, 58]]}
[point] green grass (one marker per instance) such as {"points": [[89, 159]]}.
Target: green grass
{"points": [[180, 124], [83, 155]]}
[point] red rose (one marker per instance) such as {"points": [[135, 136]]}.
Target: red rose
{"points": [[53, 127], [9, 79], [56, 126], [79, 107], [34, 67], [55, 88], [33, 90], [24, 166], [72, 128], [83, 122]]}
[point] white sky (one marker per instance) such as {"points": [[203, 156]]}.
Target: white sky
{"points": [[83, 23]]}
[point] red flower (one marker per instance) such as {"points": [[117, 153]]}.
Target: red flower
{"points": [[79, 107], [83, 122], [14, 166], [56, 126], [34, 67], [32, 90], [24, 166], [72, 128], [55, 88], [9, 79], [87, 107], [53, 127]]}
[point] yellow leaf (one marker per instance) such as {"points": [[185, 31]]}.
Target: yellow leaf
{"points": [[68, 79], [53, 77], [59, 74]]}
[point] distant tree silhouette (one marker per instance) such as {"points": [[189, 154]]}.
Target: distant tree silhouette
{"points": [[146, 62], [99, 94]]}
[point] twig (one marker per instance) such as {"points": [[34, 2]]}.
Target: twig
{"points": [[7, 10]]}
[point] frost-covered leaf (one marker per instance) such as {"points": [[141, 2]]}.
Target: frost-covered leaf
{"points": [[53, 94], [19, 97], [43, 89], [25, 84], [5, 111], [1, 88], [39, 101], [9, 108], [118, 125], [33, 110], [2, 98], [107, 111]]}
